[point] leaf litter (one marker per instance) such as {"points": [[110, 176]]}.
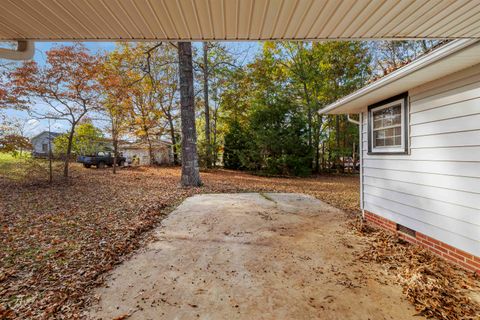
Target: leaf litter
{"points": [[437, 288], [59, 241]]}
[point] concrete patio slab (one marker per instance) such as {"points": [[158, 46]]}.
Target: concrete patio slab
{"points": [[251, 256]]}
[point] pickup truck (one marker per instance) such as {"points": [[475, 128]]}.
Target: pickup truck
{"points": [[100, 160]]}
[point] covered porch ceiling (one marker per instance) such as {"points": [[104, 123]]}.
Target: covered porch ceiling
{"points": [[53, 20]]}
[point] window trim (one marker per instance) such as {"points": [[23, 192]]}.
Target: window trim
{"points": [[403, 149]]}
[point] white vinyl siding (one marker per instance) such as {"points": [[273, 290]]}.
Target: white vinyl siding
{"points": [[40, 143], [435, 189]]}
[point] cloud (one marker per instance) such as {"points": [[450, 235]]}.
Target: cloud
{"points": [[57, 126], [31, 126], [32, 123]]}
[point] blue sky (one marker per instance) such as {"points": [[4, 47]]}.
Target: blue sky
{"points": [[42, 47], [33, 126]]}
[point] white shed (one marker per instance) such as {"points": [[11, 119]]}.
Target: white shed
{"points": [[138, 154], [42, 143], [420, 164]]}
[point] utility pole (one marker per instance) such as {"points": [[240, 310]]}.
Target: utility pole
{"points": [[50, 173]]}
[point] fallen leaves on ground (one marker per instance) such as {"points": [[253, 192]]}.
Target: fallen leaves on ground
{"points": [[436, 288], [59, 241]]}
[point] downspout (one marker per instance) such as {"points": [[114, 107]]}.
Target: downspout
{"points": [[24, 51], [360, 153], [352, 120], [360, 136]]}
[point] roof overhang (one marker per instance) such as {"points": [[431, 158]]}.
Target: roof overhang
{"points": [[449, 58], [237, 19]]}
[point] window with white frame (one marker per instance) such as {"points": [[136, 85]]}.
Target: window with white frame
{"points": [[387, 124]]}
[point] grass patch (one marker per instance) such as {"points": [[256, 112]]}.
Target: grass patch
{"points": [[25, 168], [8, 162]]}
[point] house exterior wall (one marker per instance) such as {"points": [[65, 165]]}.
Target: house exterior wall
{"points": [[39, 141], [435, 188], [161, 154]]}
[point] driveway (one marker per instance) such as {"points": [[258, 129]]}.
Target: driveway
{"points": [[251, 256]]}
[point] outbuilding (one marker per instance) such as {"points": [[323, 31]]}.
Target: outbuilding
{"points": [[420, 159], [137, 153], [42, 143]]}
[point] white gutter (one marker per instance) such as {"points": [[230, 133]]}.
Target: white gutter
{"points": [[422, 62], [352, 120], [24, 51]]}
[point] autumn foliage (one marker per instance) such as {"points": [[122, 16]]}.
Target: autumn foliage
{"points": [[12, 142], [66, 85]]}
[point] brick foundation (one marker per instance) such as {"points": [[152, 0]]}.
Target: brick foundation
{"points": [[452, 254]]}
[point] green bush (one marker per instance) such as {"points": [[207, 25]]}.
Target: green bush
{"points": [[273, 141]]}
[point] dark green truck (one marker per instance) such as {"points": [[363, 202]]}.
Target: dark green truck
{"points": [[100, 160]]}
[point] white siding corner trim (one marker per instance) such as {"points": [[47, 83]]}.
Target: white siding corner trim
{"points": [[360, 128]]}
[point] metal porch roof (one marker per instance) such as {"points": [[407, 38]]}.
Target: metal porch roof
{"points": [[237, 19]]}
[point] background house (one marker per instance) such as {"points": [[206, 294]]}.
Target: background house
{"points": [[42, 142], [139, 150], [420, 159]]}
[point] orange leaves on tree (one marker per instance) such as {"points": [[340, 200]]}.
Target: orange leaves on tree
{"points": [[66, 84]]}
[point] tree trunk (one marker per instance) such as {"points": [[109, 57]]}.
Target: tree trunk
{"points": [[115, 148], [309, 114], [337, 139], [214, 143], [69, 151], [173, 139], [323, 156], [115, 144], [316, 132], [50, 155], [208, 161], [150, 150], [354, 157], [50, 169], [190, 170]]}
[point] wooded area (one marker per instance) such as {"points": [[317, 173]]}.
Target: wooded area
{"points": [[258, 114], [218, 109]]}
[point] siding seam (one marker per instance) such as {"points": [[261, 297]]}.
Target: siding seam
{"points": [[406, 159], [423, 222], [446, 119], [443, 133], [426, 185], [468, 81], [424, 172], [430, 212], [448, 104], [462, 146], [410, 194]]}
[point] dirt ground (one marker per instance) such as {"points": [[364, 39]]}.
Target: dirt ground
{"points": [[251, 256], [58, 241]]}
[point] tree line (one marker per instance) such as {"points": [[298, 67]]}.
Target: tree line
{"points": [[260, 115], [266, 112]]}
